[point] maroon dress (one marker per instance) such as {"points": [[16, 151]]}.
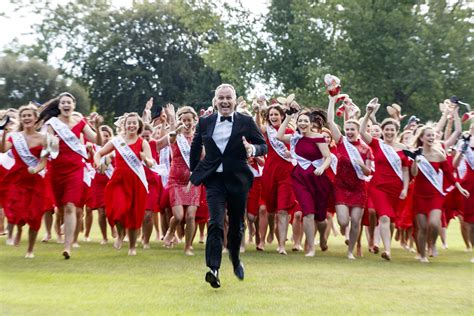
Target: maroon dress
{"points": [[311, 191]]}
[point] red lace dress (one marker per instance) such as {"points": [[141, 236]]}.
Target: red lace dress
{"points": [[179, 179], [311, 191], [348, 188], [24, 194], [125, 194]]}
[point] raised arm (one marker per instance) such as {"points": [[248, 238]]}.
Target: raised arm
{"points": [[452, 139], [91, 135], [366, 137], [336, 134], [281, 136]]}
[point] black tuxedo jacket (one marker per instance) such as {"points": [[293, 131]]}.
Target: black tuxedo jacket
{"points": [[234, 158]]}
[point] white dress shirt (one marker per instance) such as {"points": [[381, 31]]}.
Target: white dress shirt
{"points": [[221, 135]]}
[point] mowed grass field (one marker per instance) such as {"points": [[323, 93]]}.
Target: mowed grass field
{"points": [[100, 280]]}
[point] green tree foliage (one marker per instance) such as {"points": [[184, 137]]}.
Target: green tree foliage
{"points": [[33, 80], [414, 53], [127, 55]]}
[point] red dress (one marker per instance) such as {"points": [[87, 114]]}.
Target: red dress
{"points": [[467, 183], [154, 184], [179, 179], [202, 213], [311, 191], [277, 189], [348, 188], [125, 194], [49, 202], [67, 173], [24, 194], [385, 186], [426, 197], [255, 192]]}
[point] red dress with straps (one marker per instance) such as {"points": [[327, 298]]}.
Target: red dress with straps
{"points": [[24, 194], [277, 188], [154, 183], [125, 194], [385, 186], [67, 172]]}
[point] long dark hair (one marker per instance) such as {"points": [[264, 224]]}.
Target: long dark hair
{"points": [[51, 108]]}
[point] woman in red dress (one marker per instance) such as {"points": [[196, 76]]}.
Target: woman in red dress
{"points": [[311, 184], [331, 174], [67, 169], [125, 193], [24, 192], [353, 166], [154, 190], [277, 189], [184, 197], [429, 193], [466, 151], [389, 184], [96, 199]]}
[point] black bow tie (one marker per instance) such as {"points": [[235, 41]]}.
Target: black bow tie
{"points": [[226, 118]]}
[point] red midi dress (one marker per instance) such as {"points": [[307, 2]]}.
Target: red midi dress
{"points": [[426, 197], [277, 188], [348, 188], [125, 194], [24, 194], [67, 173], [385, 186]]}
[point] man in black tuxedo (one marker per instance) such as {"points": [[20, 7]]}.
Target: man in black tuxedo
{"points": [[225, 173]]}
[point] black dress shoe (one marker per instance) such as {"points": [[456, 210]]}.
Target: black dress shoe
{"points": [[212, 277], [239, 271]]}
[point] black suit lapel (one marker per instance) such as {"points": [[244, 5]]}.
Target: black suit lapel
{"points": [[211, 125]]}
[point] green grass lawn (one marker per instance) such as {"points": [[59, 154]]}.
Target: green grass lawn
{"points": [[101, 280]]}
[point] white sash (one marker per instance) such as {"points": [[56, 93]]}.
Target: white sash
{"points": [[184, 148], [392, 158], [303, 162], [469, 157], [21, 147], [435, 178], [354, 156], [462, 168], [89, 174], [130, 158], [276, 144], [165, 162], [68, 136]]}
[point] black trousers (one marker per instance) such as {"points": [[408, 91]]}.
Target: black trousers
{"points": [[220, 192]]}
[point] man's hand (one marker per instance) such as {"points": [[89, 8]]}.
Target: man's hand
{"points": [[248, 147]]}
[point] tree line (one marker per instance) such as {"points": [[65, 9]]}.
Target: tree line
{"points": [[410, 52]]}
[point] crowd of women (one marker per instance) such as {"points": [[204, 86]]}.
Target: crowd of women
{"points": [[58, 166]]}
